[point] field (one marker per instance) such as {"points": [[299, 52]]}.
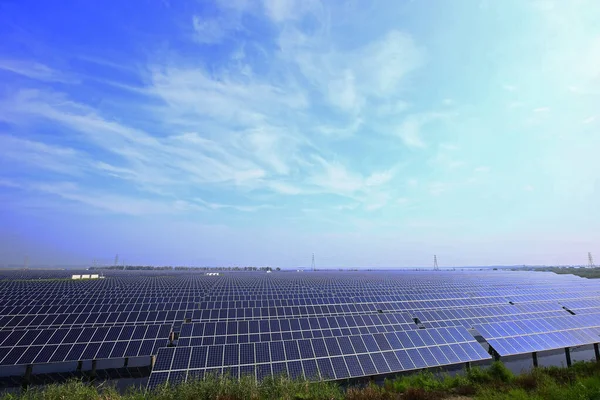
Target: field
{"points": [[199, 333]]}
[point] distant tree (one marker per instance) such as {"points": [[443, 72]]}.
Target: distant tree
{"points": [[277, 269]]}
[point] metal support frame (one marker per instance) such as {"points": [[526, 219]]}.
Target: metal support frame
{"points": [[93, 371], [27, 377], [568, 355], [535, 359]]}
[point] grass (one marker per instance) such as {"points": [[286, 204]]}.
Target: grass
{"points": [[580, 382], [590, 273]]}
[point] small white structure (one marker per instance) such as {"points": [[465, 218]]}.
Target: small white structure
{"points": [[92, 276], [212, 274]]}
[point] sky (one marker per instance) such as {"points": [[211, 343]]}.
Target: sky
{"points": [[241, 132]]}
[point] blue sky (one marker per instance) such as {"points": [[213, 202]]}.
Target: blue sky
{"points": [[258, 132]]}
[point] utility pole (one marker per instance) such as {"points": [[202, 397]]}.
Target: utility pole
{"points": [[312, 266], [590, 260], [435, 264], [116, 260]]}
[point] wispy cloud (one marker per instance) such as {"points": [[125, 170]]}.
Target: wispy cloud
{"points": [[219, 206], [482, 169], [437, 188], [35, 70], [410, 130]]}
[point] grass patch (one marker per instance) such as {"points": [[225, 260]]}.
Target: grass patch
{"points": [[580, 382]]}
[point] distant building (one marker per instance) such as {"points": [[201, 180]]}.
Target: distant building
{"points": [[87, 276]]}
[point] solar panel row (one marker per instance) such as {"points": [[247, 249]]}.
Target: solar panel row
{"points": [[518, 337], [85, 319], [56, 353], [350, 356], [397, 321]]}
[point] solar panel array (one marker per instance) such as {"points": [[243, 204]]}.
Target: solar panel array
{"points": [[511, 338], [319, 325]]}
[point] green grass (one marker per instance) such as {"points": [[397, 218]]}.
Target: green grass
{"points": [[590, 273], [580, 382]]}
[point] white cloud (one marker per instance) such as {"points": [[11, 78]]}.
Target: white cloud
{"points": [[208, 30], [483, 169], [410, 130], [213, 30], [589, 120], [285, 188], [34, 70], [53, 158], [218, 206], [342, 92], [282, 10], [449, 146], [336, 178], [380, 178], [391, 108], [344, 207], [387, 62], [226, 126], [541, 109], [341, 132], [376, 201], [119, 204], [437, 188], [510, 88], [348, 78], [516, 104], [9, 183]]}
